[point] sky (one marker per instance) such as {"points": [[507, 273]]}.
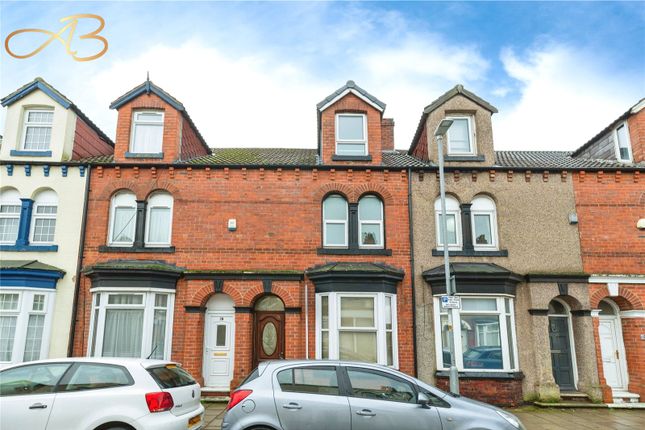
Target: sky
{"points": [[250, 74]]}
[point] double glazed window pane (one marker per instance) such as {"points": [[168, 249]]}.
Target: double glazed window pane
{"points": [[159, 334], [34, 337], [159, 225], [9, 301], [350, 148], [479, 304], [125, 299], [357, 346], [7, 335], [623, 142], [9, 221], [147, 138], [451, 229], [123, 333], [350, 127], [483, 235], [44, 229], [38, 138], [482, 344], [124, 223], [459, 136], [335, 208], [357, 312]]}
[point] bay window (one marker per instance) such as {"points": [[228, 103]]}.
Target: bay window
{"points": [[487, 326], [131, 324], [357, 326]]}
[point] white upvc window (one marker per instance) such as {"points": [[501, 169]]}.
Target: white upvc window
{"points": [[10, 205], [131, 323], [370, 222], [43, 218], [461, 135], [147, 132], [25, 324], [37, 131], [487, 325], [335, 221], [453, 218], [484, 223], [622, 143], [351, 134], [159, 219], [123, 219], [357, 326]]}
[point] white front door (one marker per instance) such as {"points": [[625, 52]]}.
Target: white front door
{"points": [[610, 348], [219, 342]]}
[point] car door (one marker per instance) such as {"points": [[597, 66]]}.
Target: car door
{"points": [[309, 397], [380, 401], [27, 395]]}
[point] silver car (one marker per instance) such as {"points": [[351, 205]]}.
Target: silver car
{"points": [[338, 395]]}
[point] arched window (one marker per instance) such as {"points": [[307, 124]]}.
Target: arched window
{"points": [[123, 216], [484, 223], [159, 219], [43, 225], [453, 219], [9, 215], [335, 221], [370, 217]]}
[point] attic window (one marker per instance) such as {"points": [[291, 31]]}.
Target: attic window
{"points": [[147, 132], [38, 129], [461, 136], [623, 148], [351, 134]]}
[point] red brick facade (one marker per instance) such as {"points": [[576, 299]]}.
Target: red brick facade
{"points": [[499, 392]]}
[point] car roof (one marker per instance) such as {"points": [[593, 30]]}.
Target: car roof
{"points": [[106, 360], [282, 363]]}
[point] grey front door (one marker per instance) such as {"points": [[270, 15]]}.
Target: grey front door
{"points": [[561, 352]]}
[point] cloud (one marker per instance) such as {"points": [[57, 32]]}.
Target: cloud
{"points": [[565, 97]]}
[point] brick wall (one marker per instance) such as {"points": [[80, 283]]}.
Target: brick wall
{"points": [[636, 126], [501, 392], [387, 134], [87, 142]]}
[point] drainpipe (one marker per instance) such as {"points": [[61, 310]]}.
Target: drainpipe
{"points": [[412, 273], [79, 265], [306, 321]]}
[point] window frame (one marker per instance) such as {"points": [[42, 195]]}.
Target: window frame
{"points": [[334, 325], [363, 141], [27, 124], [35, 216], [617, 143], [471, 136], [149, 208], [113, 207], [101, 305], [4, 201], [437, 218], [503, 332], [380, 223], [345, 222], [492, 213], [136, 122]]}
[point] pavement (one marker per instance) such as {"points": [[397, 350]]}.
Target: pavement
{"points": [[532, 417]]}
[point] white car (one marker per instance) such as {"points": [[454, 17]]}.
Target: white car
{"points": [[99, 394]]}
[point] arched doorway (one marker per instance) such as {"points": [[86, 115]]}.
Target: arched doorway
{"points": [[219, 343], [268, 329], [612, 349], [562, 346]]}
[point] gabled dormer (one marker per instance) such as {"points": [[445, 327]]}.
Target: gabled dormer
{"points": [[44, 125], [351, 127], [469, 141], [154, 127]]}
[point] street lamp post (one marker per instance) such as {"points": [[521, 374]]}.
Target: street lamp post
{"points": [[441, 130]]}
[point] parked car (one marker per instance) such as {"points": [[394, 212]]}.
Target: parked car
{"points": [[483, 357], [337, 395], [99, 394]]}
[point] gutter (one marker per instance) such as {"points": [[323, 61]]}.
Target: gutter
{"points": [[79, 264], [412, 273]]}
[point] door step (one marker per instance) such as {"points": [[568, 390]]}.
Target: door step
{"points": [[625, 397], [574, 397], [214, 395]]}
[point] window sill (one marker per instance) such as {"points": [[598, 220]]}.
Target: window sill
{"points": [[155, 155], [138, 249], [29, 248], [482, 375], [347, 251], [471, 253], [336, 157], [20, 153], [478, 158]]}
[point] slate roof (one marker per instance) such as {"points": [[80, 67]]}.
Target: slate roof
{"points": [[351, 85], [28, 265], [554, 159], [258, 156]]}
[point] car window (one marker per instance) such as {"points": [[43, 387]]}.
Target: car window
{"points": [[253, 375], [435, 400], [92, 376], [31, 379], [372, 384], [313, 380], [171, 376]]}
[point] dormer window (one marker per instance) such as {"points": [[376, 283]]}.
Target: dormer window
{"points": [[351, 134], [461, 138], [623, 147], [147, 132], [38, 129]]}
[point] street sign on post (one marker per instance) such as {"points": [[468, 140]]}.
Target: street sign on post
{"points": [[450, 302]]}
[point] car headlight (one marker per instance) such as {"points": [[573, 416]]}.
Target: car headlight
{"points": [[512, 419]]}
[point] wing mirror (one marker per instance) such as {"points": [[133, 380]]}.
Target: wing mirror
{"points": [[423, 400]]}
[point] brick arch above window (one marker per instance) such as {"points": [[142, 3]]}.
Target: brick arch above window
{"points": [[626, 300], [346, 191], [141, 189]]}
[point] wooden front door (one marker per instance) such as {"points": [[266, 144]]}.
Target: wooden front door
{"points": [[269, 336]]}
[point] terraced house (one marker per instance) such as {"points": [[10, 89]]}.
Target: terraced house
{"points": [[42, 197]]}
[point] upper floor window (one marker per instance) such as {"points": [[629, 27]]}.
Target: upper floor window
{"points": [[623, 147], [453, 218], [335, 215], [370, 216], [44, 217], [484, 223], [9, 215], [38, 129], [461, 138], [159, 219], [123, 213], [351, 134], [147, 132]]}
